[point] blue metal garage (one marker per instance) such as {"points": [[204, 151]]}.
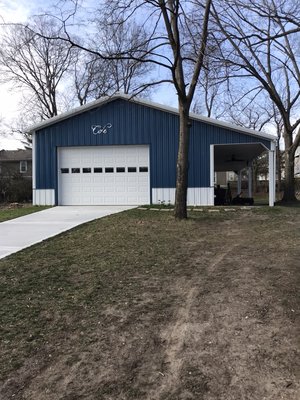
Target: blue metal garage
{"points": [[122, 150]]}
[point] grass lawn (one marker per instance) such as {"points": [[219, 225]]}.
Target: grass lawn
{"points": [[9, 212], [139, 306]]}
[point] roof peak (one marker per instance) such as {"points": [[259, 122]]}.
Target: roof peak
{"points": [[146, 103]]}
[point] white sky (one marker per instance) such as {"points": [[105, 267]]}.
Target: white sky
{"points": [[11, 11], [15, 10]]}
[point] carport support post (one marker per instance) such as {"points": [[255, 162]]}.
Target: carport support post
{"points": [[272, 175], [212, 175], [239, 182], [33, 162], [250, 180]]}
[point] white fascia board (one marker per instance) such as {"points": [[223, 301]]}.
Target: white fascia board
{"points": [[158, 106]]}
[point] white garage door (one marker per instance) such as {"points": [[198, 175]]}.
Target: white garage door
{"points": [[108, 175]]}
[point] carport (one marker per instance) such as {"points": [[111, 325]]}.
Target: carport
{"points": [[236, 157]]}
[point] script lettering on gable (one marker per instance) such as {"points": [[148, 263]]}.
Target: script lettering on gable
{"points": [[101, 130]]}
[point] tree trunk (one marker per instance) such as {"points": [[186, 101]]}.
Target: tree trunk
{"points": [[289, 178], [182, 163]]}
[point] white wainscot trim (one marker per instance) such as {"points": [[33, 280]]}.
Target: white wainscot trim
{"points": [[43, 197], [196, 196]]}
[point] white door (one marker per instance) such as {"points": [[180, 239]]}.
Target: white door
{"points": [[108, 175]]}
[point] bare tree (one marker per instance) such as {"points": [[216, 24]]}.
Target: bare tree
{"points": [[35, 64], [127, 74], [92, 78], [208, 99], [247, 109], [95, 77], [260, 39], [209, 95]]}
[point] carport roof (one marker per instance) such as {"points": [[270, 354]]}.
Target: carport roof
{"points": [[234, 157], [108, 99]]}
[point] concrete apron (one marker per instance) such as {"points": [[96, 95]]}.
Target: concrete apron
{"points": [[19, 233]]}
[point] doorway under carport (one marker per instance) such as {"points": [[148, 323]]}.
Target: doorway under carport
{"points": [[240, 156]]}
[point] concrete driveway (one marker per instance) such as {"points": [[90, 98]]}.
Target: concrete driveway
{"points": [[19, 233]]}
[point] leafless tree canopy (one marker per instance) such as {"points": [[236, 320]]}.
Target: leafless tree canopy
{"points": [[96, 77], [35, 64]]}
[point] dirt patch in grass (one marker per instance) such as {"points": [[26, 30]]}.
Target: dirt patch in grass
{"points": [[139, 306]]}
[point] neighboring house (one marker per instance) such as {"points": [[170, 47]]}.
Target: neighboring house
{"points": [[16, 163], [16, 175], [222, 178], [123, 150]]}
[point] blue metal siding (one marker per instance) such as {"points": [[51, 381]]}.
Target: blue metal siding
{"points": [[134, 124]]}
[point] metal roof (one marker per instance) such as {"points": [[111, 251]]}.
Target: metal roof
{"points": [[108, 99]]}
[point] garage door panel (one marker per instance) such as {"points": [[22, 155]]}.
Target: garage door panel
{"points": [[93, 183], [143, 179], [108, 180], [87, 180], [143, 190]]}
